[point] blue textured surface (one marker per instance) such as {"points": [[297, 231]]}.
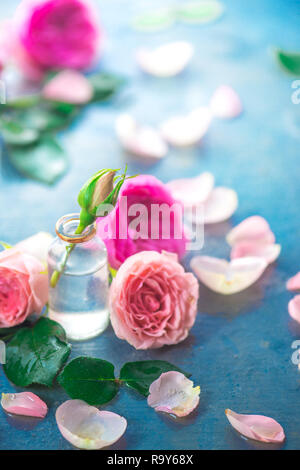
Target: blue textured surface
{"points": [[240, 347]]}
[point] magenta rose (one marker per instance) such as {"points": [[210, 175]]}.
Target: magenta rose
{"points": [[157, 231], [153, 301], [23, 287], [53, 35]]}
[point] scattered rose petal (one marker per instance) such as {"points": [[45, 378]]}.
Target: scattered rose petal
{"points": [[192, 191], [68, 86], [153, 21], [219, 206], [257, 427], [203, 11], [24, 403], [269, 252], [141, 141], [228, 277], [86, 427], [254, 229], [294, 308], [225, 103], [166, 60], [173, 393], [294, 282], [37, 245], [184, 131], [2, 352]]}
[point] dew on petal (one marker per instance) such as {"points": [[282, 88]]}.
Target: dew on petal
{"points": [[257, 427], [24, 404], [86, 427], [254, 228], [68, 86], [187, 130], [192, 191], [167, 60], [142, 141], [294, 308], [293, 284], [269, 252], [225, 103], [173, 393], [228, 277]]}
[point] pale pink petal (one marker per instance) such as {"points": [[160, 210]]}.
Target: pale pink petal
{"points": [[257, 427], [68, 86], [225, 103], [220, 205], [166, 60], [188, 130], [142, 141], [254, 228], [37, 245], [294, 282], [173, 393], [228, 277], [86, 427], [294, 308], [192, 191], [24, 403], [269, 252]]}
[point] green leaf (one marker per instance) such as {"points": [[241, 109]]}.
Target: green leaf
{"points": [[14, 133], [54, 116], [156, 20], [105, 85], [89, 379], [45, 161], [200, 12], [24, 102], [289, 61], [140, 375], [35, 355]]}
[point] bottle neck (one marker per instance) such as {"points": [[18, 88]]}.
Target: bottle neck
{"points": [[67, 229]]}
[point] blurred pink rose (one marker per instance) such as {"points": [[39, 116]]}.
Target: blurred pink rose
{"points": [[53, 35], [153, 301], [23, 289], [117, 230]]}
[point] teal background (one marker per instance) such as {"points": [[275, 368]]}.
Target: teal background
{"points": [[239, 350]]}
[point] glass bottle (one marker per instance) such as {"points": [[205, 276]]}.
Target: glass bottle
{"points": [[79, 300]]}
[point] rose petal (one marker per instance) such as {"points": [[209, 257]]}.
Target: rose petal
{"points": [[257, 427], [254, 228], [86, 427], [225, 103], [68, 86], [184, 131], [141, 141], [219, 206], [294, 308], [37, 245], [294, 282], [192, 191], [228, 277], [166, 60], [173, 393], [269, 252], [24, 403]]}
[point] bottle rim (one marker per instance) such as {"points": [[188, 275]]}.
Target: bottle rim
{"points": [[85, 236]]}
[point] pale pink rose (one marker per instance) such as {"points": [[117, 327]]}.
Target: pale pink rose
{"points": [[54, 35], [23, 287], [153, 301]]}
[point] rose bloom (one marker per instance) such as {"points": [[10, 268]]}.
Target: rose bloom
{"points": [[153, 301], [23, 287], [118, 234], [53, 35]]}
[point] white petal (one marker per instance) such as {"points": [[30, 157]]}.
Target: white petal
{"points": [[269, 252], [219, 206], [86, 427], [228, 277], [166, 60], [37, 245], [173, 393], [225, 103], [184, 131], [192, 191], [141, 141]]}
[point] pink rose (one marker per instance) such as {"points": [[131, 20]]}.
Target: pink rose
{"points": [[23, 287], [53, 35], [121, 238], [153, 301]]}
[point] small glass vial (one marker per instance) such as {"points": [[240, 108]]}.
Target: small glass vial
{"points": [[79, 300]]}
